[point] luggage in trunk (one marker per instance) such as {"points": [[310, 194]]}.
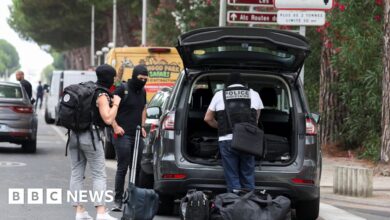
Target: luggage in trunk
{"points": [[277, 148], [204, 147]]}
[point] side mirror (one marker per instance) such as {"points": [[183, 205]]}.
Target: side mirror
{"points": [[316, 117], [153, 112]]}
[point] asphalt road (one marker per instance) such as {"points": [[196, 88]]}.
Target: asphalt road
{"points": [[50, 169]]}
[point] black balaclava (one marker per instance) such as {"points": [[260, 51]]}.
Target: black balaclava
{"points": [[135, 82], [105, 75], [234, 78]]}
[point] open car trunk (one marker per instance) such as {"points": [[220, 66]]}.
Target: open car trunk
{"points": [[276, 119]]}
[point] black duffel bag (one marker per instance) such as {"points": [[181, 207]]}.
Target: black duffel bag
{"points": [[248, 138], [250, 206]]}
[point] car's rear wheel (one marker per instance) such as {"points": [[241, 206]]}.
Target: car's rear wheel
{"points": [[30, 146], [47, 119], [308, 210], [166, 205]]}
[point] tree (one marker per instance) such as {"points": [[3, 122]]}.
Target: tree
{"points": [[385, 141], [9, 58], [351, 73], [65, 25]]}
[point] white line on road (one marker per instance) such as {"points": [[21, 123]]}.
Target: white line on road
{"points": [[328, 212], [59, 132]]}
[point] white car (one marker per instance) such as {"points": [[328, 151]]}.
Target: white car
{"points": [[60, 80]]}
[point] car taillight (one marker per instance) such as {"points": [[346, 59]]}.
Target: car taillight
{"points": [[169, 121], [22, 109], [311, 126], [302, 181], [159, 50], [174, 176], [153, 127]]}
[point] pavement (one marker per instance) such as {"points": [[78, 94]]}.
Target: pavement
{"points": [[380, 201]]}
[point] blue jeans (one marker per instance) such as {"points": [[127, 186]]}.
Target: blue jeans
{"points": [[239, 168], [124, 146]]}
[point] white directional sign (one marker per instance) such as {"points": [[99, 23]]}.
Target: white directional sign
{"points": [[246, 17], [262, 3], [306, 18], [304, 4]]}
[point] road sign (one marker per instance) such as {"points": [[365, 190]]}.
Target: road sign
{"points": [[245, 17], [307, 18], [304, 4], [258, 3]]}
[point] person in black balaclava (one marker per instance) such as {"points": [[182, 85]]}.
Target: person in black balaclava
{"points": [[83, 151], [105, 75], [131, 113]]}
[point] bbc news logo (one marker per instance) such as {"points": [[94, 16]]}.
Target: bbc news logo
{"points": [[55, 196]]}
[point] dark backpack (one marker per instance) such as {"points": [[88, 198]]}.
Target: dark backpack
{"points": [[195, 206], [76, 110]]}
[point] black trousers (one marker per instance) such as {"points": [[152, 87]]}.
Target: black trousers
{"points": [[124, 146]]}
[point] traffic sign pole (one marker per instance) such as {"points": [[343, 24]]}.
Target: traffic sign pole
{"points": [[222, 13]]}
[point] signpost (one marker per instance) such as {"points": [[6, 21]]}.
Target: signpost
{"points": [[304, 4], [262, 3], [307, 18], [246, 17]]}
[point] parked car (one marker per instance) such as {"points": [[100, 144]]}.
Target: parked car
{"points": [[269, 62], [18, 119], [157, 104], [61, 79]]}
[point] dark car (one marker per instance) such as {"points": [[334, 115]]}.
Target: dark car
{"points": [[155, 107], [18, 120], [269, 62]]}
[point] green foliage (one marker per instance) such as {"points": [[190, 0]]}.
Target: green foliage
{"points": [[192, 14], [312, 69], [356, 34], [46, 74], [9, 57], [58, 60]]}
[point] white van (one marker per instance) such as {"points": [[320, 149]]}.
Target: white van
{"points": [[60, 80]]}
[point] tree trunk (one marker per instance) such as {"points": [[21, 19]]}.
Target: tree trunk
{"points": [[331, 109], [385, 149], [77, 59]]}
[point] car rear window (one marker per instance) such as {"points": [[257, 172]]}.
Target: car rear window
{"points": [[10, 92]]}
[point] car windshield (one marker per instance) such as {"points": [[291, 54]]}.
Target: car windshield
{"points": [[10, 92]]}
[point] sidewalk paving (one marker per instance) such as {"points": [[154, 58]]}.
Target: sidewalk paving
{"points": [[381, 184]]}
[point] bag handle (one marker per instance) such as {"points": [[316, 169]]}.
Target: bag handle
{"points": [[268, 201]]}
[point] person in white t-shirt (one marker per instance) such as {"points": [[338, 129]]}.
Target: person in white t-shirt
{"points": [[244, 105]]}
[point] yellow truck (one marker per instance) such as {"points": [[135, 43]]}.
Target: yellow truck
{"points": [[163, 63]]}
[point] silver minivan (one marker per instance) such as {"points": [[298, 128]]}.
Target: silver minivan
{"points": [[269, 62]]}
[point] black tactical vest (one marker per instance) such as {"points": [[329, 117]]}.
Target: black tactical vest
{"points": [[239, 103]]}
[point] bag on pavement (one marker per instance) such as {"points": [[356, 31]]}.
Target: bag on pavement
{"points": [[194, 206], [139, 204], [251, 206]]}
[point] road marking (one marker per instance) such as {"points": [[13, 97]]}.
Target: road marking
{"points": [[11, 164], [328, 212], [59, 132]]}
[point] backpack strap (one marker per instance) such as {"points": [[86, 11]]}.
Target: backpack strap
{"points": [[67, 143], [92, 136]]}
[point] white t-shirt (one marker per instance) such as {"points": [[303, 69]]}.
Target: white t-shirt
{"points": [[217, 104]]}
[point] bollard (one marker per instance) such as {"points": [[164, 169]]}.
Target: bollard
{"points": [[353, 181]]}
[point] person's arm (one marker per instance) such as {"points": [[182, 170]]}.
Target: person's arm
{"points": [[143, 122], [118, 130], [108, 114], [209, 118]]}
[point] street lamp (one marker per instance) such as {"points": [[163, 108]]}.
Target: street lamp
{"points": [[105, 51], [111, 45], [98, 54]]}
